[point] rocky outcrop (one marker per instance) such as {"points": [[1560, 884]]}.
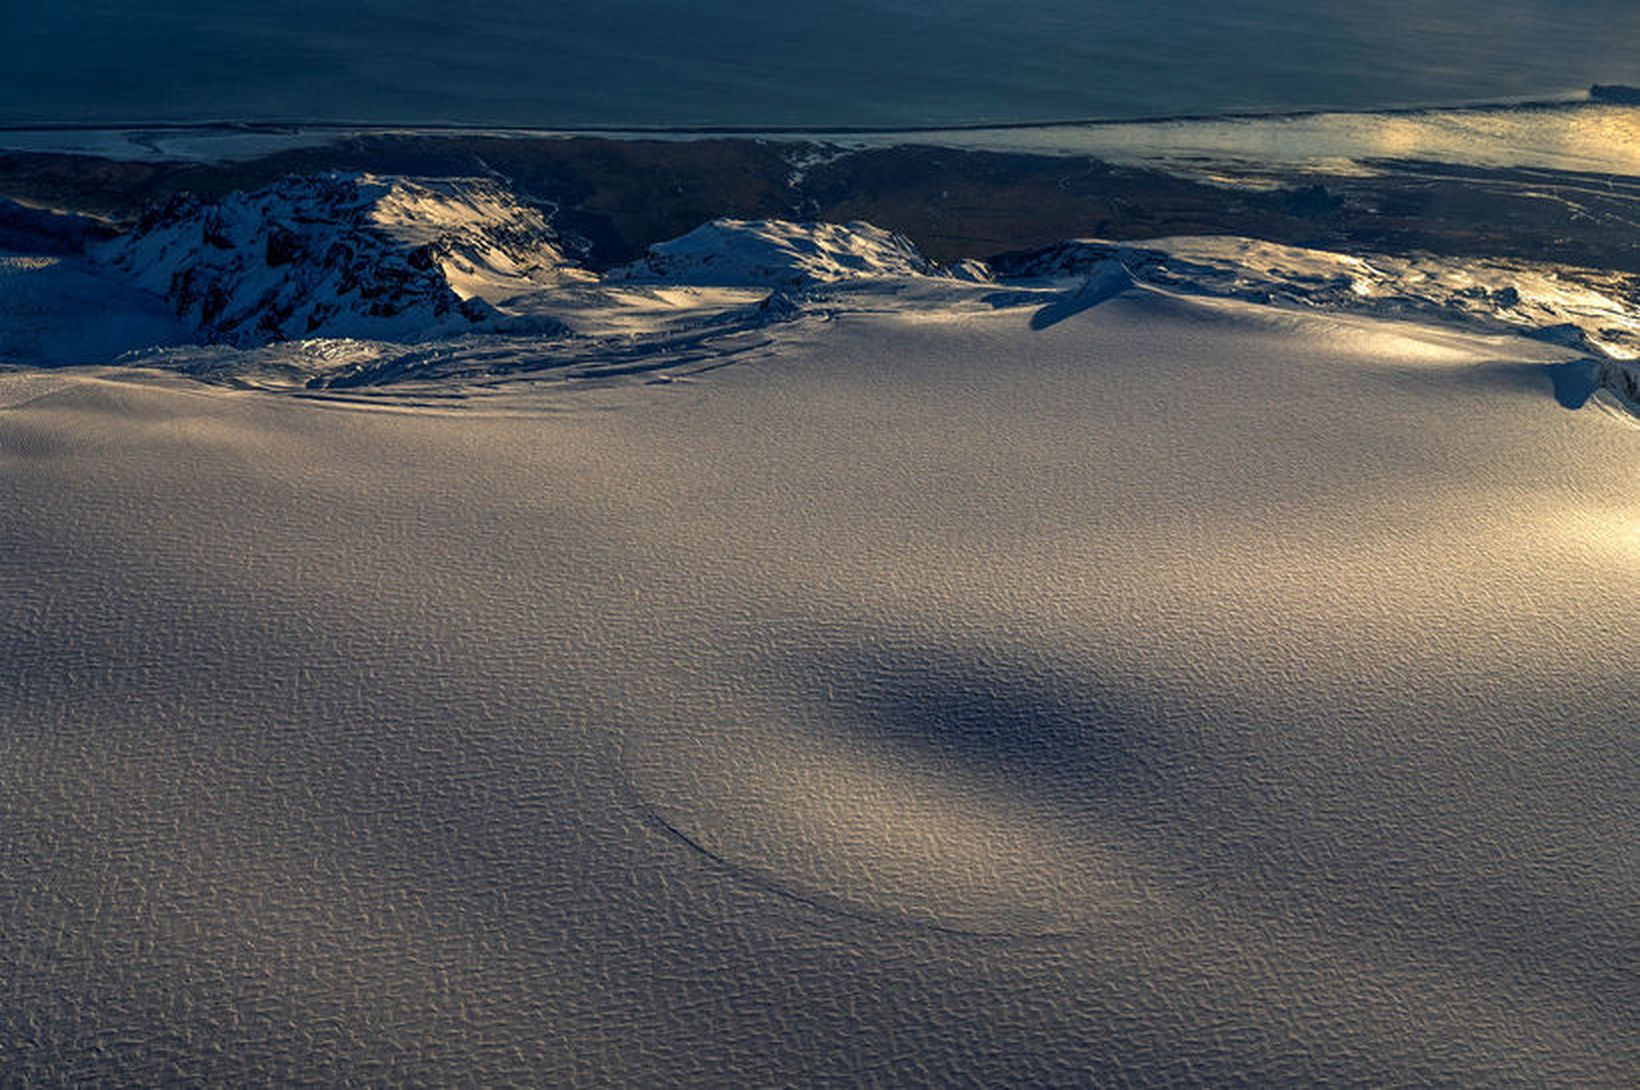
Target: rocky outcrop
{"points": [[780, 254], [343, 255]]}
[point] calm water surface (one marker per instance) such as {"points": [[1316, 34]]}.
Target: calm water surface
{"points": [[841, 62]]}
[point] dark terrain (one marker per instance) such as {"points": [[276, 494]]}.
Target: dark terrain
{"points": [[612, 198]]}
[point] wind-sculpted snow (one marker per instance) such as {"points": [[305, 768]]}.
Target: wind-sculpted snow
{"points": [[343, 255], [357, 281], [1589, 309], [1181, 692]]}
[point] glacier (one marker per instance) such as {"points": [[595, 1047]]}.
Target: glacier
{"points": [[786, 659], [362, 281]]}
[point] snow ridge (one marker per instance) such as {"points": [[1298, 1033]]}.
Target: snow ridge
{"points": [[360, 279], [781, 254], [1592, 310]]}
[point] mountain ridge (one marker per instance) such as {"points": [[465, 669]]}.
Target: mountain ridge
{"points": [[342, 255]]}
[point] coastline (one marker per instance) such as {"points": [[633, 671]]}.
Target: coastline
{"points": [[1527, 102], [621, 195], [1588, 132]]}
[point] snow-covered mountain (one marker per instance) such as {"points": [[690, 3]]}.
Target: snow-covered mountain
{"points": [[365, 279], [784, 254], [344, 255]]}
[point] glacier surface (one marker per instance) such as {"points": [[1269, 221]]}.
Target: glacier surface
{"points": [[787, 661]]}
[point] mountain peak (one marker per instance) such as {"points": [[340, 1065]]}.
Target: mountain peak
{"points": [[343, 255], [781, 254]]}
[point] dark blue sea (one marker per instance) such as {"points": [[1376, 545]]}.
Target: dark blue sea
{"points": [[887, 63]]}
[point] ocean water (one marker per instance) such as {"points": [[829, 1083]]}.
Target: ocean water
{"points": [[884, 63]]}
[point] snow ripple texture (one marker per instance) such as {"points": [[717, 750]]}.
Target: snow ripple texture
{"points": [[1182, 691]]}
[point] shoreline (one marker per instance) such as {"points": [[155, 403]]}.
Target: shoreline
{"points": [[617, 197], [357, 126]]}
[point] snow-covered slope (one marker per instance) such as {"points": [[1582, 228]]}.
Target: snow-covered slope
{"points": [[1184, 693], [343, 255], [1594, 311], [1590, 309], [782, 254], [58, 311], [358, 279]]}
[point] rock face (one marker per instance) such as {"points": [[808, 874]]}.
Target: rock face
{"points": [[343, 255], [1622, 379], [780, 254], [1074, 257]]}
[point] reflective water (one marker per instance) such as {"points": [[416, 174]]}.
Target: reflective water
{"points": [[731, 62], [1588, 137]]}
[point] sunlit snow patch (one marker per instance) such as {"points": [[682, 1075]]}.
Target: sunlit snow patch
{"points": [[784, 254]]}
